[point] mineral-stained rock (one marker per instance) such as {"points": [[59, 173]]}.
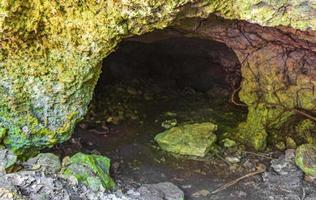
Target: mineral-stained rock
{"points": [[51, 52], [190, 139], [306, 158], [92, 170], [46, 162]]}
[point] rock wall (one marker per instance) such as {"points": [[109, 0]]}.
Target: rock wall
{"points": [[278, 71], [50, 53]]}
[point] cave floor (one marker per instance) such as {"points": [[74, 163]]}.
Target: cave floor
{"points": [[124, 118]]}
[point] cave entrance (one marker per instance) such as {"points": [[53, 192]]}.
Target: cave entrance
{"points": [[147, 87]]}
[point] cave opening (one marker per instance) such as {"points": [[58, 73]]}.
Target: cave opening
{"points": [[155, 85], [149, 87]]}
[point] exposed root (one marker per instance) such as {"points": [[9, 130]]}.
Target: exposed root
{"points": [[260, 169], [232, 98], [305, 114]]}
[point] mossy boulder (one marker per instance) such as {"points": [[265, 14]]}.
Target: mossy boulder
{"points": [[190, 139], [305, 158], [92, 170]]}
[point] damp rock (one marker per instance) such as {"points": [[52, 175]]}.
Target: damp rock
{"points": [[190, 139], [92, 170], [167, 124], [7, 159], [160, 191], [305, 158], [46, 162]]}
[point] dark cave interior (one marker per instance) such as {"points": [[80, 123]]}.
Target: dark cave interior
{"points": [[176, 62]]}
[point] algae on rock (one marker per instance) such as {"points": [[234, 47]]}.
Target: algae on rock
{"points": [[189, 139], [305, 159], [51, 50], [92, 170]]}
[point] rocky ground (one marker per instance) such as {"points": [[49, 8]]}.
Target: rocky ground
{"points": [[40, 179], [122, 124]]}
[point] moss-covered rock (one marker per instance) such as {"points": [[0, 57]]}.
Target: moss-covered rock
{"points": [[190, 139], [305, 158], [51, 50], [91, 170]]}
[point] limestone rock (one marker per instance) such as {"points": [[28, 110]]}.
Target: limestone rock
{"points": [[305, 158], [47, 162], [51, 52], [7, 159], [190, 139], [160, 191], [92, 170]]}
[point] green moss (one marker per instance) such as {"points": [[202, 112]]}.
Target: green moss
{"points": [[51, 50], [91, 170], [304, 130], [254, 132], [189, 139], [3, 133], [305, 158], [277, 12]]}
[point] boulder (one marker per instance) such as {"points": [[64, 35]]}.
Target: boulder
{"points": [[92, 170], [190, 139]]}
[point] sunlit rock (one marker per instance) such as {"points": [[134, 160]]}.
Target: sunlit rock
{"points": [[190, 139]]}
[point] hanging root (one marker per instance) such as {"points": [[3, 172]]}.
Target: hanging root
{"points": [[232, 98]]}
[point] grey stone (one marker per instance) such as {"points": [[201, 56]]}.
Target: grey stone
{"points": [[46, 162], [7, 159], [160, 191]]}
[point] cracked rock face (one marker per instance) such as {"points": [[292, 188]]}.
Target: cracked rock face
{"points": [[51, 50]]}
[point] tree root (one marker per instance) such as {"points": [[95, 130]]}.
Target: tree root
{"points": [[259, 169], [305, 114], [232, 98]]}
